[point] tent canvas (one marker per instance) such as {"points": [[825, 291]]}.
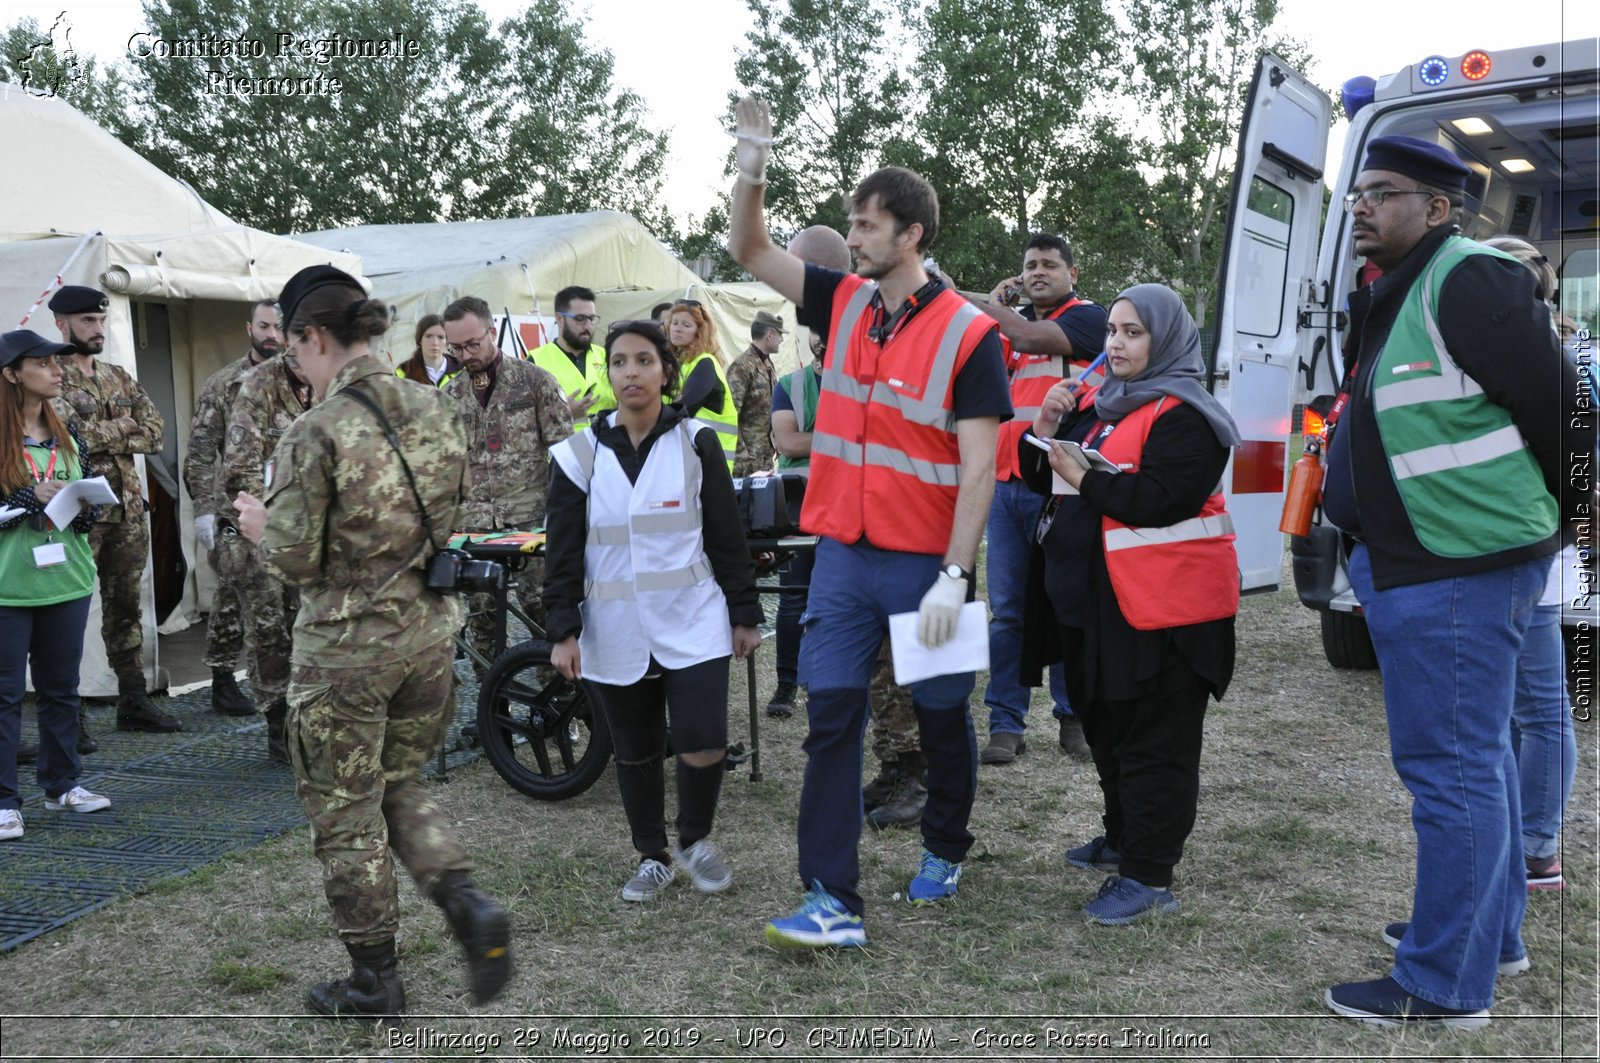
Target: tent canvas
{"points": [[181, 277]]}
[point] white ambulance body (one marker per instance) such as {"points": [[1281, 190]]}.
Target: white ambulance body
{"points": [[1525, 120]]}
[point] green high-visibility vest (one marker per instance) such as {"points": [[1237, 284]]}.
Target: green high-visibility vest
{"points": [[1469, 483], [591, 380], [804, 388]]}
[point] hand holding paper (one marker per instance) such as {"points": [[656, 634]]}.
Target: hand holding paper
{"points": [[64, 507]]}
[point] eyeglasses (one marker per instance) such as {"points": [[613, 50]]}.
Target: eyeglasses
{"points": [[472, 347], [1374, 197], [650, 325], [582, 319]]}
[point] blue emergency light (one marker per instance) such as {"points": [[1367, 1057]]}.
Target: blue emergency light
{"points": [[1356, 93], [1433, 71]]}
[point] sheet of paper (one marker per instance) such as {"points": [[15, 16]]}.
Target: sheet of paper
{"points": [[1058, 486], [8, 513], [64, 506], [967, 650]]}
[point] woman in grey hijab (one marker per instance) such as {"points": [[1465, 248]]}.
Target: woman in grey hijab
{"points": [[1135, 585]]}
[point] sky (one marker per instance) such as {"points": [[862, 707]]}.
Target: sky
{"points": [[683, 66]]}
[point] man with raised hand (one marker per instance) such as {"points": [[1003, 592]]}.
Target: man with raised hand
{"points": [[902, 472]]}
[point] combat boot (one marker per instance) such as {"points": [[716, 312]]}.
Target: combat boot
{"points": [[372, 990], [226, 697], [878, 790], [27, 752], [136, 712], [86, 742], [484, 930], [903, 807], [277, 741]]}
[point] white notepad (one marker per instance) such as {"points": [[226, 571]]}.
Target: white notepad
{"points": [[967, 650]]}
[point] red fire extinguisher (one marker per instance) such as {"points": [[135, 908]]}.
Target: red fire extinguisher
{"points": [[1305, 489]]}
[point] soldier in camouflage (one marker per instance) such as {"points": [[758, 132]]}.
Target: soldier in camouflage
{"points": [[750, 378], [117, 420], [202, 475], [271, 397], [896, 797], [515, 412], [350, 505]]}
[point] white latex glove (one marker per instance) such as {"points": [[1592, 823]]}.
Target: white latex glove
{"points": [[205, 530], [752, 132], [941, 610]]}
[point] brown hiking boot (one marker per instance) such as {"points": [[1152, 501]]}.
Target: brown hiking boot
{"points": [[136, 712], [1073, 744], [372, 990]]}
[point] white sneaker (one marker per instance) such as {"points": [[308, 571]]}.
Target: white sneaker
{"points": [[649, 881], [706, 868], [77, 799], [10, 824]]}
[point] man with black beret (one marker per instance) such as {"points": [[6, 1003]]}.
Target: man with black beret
{"points": [[117, 420], [751, 379], [1446, 470]]}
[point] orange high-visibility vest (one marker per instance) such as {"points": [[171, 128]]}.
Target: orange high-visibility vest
{"points": [[1185, 573], [885, 462], [1032, 376]]}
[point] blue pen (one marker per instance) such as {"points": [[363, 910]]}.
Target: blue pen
{"points": [[1096, 364]]}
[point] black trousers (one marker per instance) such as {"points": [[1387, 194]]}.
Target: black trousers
{"points": [[1147, 754], [695, 700]]}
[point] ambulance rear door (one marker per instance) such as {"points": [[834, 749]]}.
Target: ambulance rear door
{"points": [[1266, 302]]}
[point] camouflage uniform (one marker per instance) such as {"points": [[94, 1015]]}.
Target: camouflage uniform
{"points": [[894, 725], [509, 469], [266, 405], [750, 378], [117, 421], [372, 689], [202, 475]]}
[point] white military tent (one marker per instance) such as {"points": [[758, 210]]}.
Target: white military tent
{"points": [[518, 265], [181, 277]]}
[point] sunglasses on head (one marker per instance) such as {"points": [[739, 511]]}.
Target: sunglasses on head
{"points": [[645, 324], [686, 302]]}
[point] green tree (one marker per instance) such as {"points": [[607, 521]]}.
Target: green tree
{"points": [[570, 139], [835, 95], [1188, 72]]}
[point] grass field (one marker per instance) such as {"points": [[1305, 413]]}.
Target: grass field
{"points": [[1302, 852]]}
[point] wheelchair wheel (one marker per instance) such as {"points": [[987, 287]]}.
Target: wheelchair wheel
{"points": [[538, 728]]}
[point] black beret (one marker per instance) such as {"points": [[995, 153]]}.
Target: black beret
{"points": [[309, 280], [1419, 159], [25, 343], [78, 299]]}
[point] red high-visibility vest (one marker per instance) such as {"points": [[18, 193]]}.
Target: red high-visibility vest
{"points": [[1032, 376], [885, 462], [1185, 573]]}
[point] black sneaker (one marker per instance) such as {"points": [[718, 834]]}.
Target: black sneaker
{"points": [[136, 712], [226, 697], [1382, 1002], [781, 707]]}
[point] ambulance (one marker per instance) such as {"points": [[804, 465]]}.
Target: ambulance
{"points": [[1526, 121]]}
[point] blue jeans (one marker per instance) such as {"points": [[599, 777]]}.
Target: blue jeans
{"points": [[1541, 733], [854, 590], [1013, 518], [791, 607], [1448, 650], [50, 637]]}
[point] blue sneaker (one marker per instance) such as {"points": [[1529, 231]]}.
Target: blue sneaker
{"points": [[935, 882], [1121, 900], [1095, 855], [819, 923]]}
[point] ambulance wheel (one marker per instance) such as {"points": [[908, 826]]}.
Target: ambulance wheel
{"points": [[538, 728], [1345, 640]]}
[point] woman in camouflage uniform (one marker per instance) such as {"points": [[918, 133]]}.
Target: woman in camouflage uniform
{"points": [[372, 686]]}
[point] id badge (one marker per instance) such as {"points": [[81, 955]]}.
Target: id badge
{"points": [[48, 554]]}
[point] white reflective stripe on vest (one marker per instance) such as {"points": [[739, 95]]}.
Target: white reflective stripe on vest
{"points": [[673, 579], [1042, 367], [1496, 444], [937, 474], [1450, 383], [581, 445], [1183, 531], [1025, 413]]}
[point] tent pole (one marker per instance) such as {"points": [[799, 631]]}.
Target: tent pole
{"points": [[60, 273]]}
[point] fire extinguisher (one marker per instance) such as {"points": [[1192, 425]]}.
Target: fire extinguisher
{"points": [[1305, 489]]}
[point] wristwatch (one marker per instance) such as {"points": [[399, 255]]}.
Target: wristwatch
{"points": [[955, 571]]}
